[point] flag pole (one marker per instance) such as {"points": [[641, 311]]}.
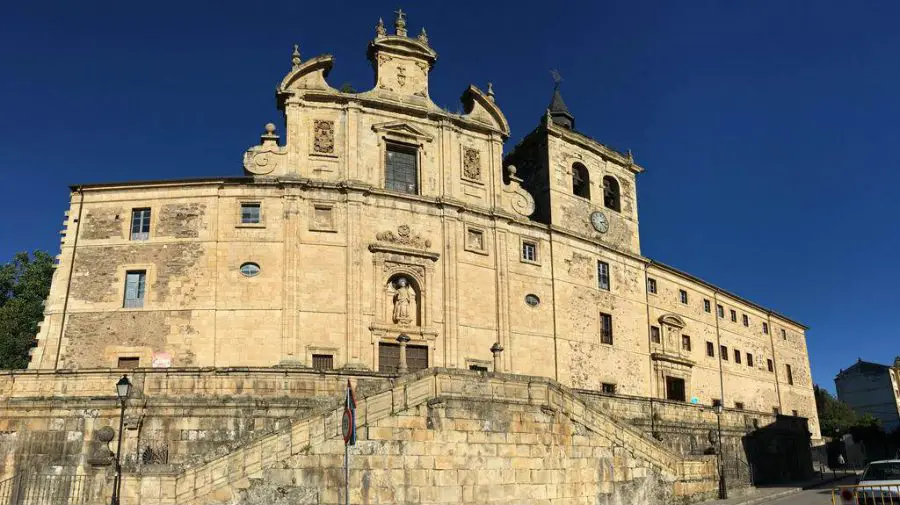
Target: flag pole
{"points": [[347, 456]]}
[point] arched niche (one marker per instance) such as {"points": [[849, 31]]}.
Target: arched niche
{"points": [[403, 299]]}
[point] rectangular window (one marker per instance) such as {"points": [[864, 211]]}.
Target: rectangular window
{"points": [[250, 213], [733, 316], [651, 285], [686, 342], [710, 349], [683, 295], [603, 275], [706, 305], [401, 171], [654, 334], [140, 224], [606, 329], [720, 310], [766, 328], [134, 288], [770, 365], [529, 251], [783, 334], [739, 405], [745, 320], [478, 368], [389, 357], [129, 362], [608, 388], [795, 413], [323, 361], [737, 356], [716, 402], [723, 352], [675, 389], [749, 359], [790, 374]]}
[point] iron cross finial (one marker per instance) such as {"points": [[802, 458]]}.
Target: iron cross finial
{"points": [[400, 14], [556, 77]]}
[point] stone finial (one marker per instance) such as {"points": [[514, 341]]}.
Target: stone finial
{"points": [[423, 37], [269, 137], [379, 29], [295, 57], [630, 157], [403, 338], [511, 170], [496, 349], [490, 91], [400, 23]]}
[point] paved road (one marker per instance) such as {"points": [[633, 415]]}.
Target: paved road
{"points": [[816, 496]]}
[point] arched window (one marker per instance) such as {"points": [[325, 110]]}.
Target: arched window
{"points": [[581, 183], [611, 193]]}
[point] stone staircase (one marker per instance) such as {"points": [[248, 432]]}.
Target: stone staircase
{"points": [[221, 480]]}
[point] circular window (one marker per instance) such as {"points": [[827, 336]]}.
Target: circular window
{"points": [[532, 300], [249, 269]]}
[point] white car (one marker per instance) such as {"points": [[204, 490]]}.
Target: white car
{"points": [[879, 483]]}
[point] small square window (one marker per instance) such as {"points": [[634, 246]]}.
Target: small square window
{"points": [[651, 285], [710, 349], [776, 411], [135, 285], [529, 251], [783, 334], [140, 224], [475, 239], [739, 405], [720, 310], [723, 352], [737, 356], [686, 342], [683, 296], [707, 307], [603, 275], [606, 329], [733, 316], [129, 362], [478, 368], [749, 359], [795, 413], [323, 361], [745, 320], [250, 213], [608, 388], [654, 334], [770, 365], [716, 402], [766, 328]]}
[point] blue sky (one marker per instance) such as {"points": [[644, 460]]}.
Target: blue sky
{"points": [[768, 128]]}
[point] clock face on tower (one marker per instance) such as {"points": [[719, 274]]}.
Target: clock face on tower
{"points": [[599, 222]]}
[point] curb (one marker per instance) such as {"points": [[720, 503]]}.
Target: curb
{"points": [[759, 499]]}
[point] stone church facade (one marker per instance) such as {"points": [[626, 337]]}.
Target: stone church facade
{"points": [[377, 221]]}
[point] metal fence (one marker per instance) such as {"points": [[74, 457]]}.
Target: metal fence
{"points": [[46, 490], [866, 494]]}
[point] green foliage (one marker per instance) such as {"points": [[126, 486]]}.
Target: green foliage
{"points": [[347, 88], [24, 285], [835, 416]]}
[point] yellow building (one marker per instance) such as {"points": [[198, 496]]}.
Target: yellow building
{"points": [[379, 222]]}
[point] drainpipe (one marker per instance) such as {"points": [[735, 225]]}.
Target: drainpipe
{"points": [[62, 323], [774, 361]]}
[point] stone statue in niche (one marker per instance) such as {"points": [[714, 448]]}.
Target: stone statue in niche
{"points": [[402, 301]]}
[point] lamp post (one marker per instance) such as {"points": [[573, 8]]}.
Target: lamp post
{"points": [[123, 388], [723, 491]]}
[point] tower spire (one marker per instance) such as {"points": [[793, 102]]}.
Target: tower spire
{"points": [[557, 109]]}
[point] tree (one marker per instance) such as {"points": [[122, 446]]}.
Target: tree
{"points": [[835, 416], [347, 88], [24, 285]]}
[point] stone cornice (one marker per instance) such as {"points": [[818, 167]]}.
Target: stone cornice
{"points": [[408, 251], [659, 356], [592, 145]]}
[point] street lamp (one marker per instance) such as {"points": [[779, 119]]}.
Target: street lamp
{"points": [[123, 388], [723, 492]]}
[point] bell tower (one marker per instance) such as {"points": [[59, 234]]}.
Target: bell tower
{"points": [[402, 64]]}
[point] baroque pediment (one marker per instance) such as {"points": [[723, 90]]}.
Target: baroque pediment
{"points": [[402, 129], [671, 320]]}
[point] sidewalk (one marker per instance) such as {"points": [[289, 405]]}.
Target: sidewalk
{"points": [[767, 493]]}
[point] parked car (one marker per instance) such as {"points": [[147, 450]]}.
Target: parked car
{"points": [[879, 483]]}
